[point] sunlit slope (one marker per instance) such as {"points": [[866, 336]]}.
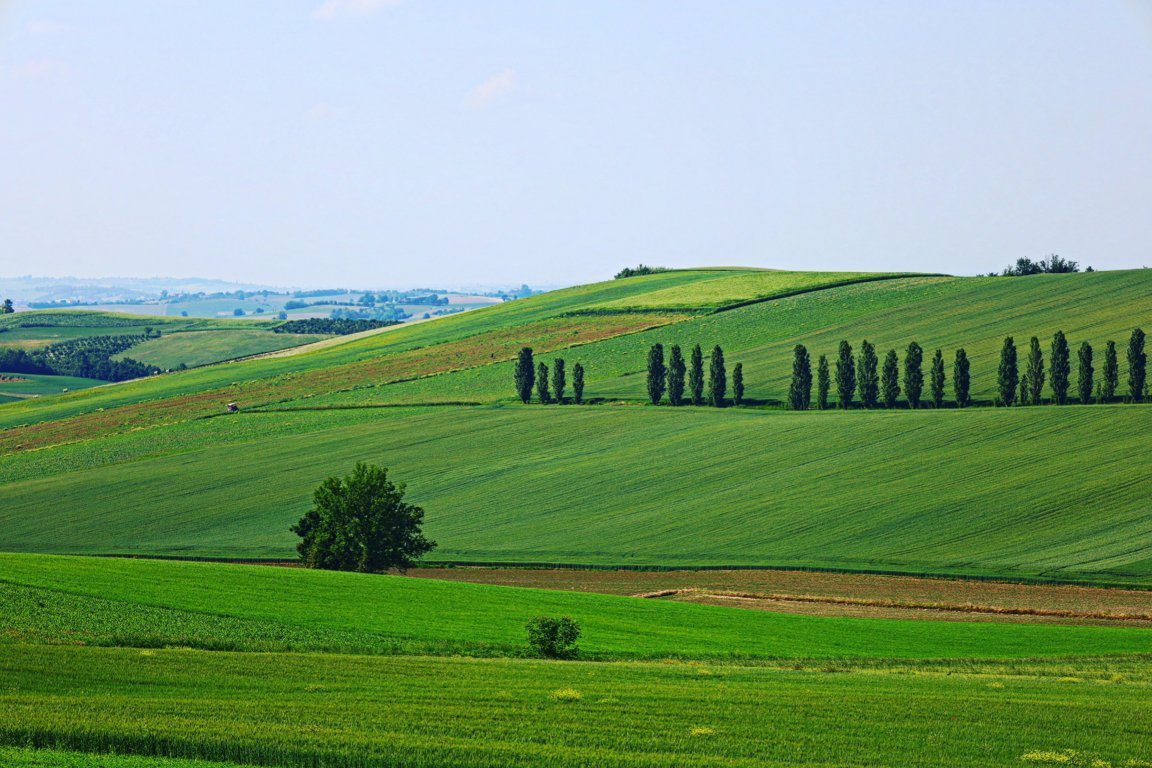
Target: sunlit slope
{"points": [[435, 616], [1052, 492], [936, 312]]}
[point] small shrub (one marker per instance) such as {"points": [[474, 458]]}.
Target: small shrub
{"points": [[567, 694], [553, 638]]}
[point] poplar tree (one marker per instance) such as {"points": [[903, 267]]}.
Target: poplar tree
{"points": [[578, 383], [656, 373], [1008, 374], [890, 379], [1137, 365], [936, 380], [696, 376], [961, 381], [1033, 375], [845, 375], [823, 383], [1060, 366], [913, 374], [1084, 373], [867, 377], [800, 392], [559, 379], [676, 376], [525, 374], [717, 378], [1110, 374], [542, 383], [738, 384]]}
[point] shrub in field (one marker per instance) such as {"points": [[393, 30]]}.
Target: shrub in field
{"points": [[553, 638], [823, 383], [578, 383], [1061, 367], [890, 379], [845, 375], [361, 523], [676, 369], [867, 376], [525, 374], [1085, 372], [961, 378], [657, 373], [913, 374], [696, 376], [717, 378], [738, 384], [559, 379], [1137, 365], [542, 383], [1008, 375], [800, 392]]}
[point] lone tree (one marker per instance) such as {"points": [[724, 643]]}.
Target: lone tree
{"points": [[1061, 367], [845, 375], [1033, 374], [867, 376], [1137, 365], [717, 378], [696, 376], [559, 379], [657, 373], [525, 374], [6, 308], [1110, 374], [738, 384], [936, 379], [1008, 374], [961, 379], [890, 379], [578, 383], [913, 374], [800, 393], [542, 383], [676, 376], [1084, 373], [361, 523], [823, 383], [553, 638]]}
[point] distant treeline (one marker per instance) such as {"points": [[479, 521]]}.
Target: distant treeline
{"points": [[639, 269], [879, 385], [89, 358], [1053, 265], [337, 326]]}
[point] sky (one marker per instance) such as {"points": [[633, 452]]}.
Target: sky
{"points": [[398, 143]]}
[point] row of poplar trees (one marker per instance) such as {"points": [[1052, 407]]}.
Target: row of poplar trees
{"points": [[876, 384], [673, 376], [549, 386]]}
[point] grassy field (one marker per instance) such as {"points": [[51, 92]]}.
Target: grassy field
{"points": [[193, 348], [29, 757], [984, 491], [28, 384]]}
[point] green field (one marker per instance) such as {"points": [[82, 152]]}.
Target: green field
{"points": [[194, 348], [35, 384]]}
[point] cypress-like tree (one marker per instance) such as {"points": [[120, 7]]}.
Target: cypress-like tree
{"points": [[800, 392], [657, 373], [961, 381], [542, 383], [559, 379], [913, 374], [525, 374], [1085, 373], [696, 376], [845, 375], [867, 376], [1137, 365], [1008, 374], [578, 383], [1110, 374], [717, 378], [676, 376], [1060, 366], [936, 379], [890, 379], [1033, 375], [823, 383], [738, 384]]}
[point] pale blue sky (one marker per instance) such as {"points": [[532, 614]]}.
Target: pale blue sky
{"points": [[417, 142]]}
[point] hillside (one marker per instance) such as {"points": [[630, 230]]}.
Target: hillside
{"points": [[1038, 492]]}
